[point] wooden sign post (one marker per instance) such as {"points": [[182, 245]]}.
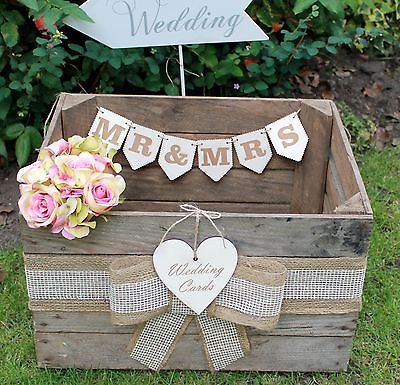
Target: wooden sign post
{"points": [[144, 23]]}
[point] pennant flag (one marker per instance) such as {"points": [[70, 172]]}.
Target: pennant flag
{"points": [[110, 127], [141, 146], [288, 137], [176, 156], [253, 150], [144, 23], [215, 157]]}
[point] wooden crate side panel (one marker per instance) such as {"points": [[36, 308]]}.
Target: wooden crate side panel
{"points": [[222, 207], [178, 115], [346, 165], [275, 186], [310, 173], [332, 325], [334, 189], [254, 235], [54, 130], [269, 353]]}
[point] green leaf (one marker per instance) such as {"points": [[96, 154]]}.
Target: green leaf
{"points": [[153, 66], [51, 16], [4, 93], [32, 4], [334, 6], [248, 89], [23, 149], [75, 11], [76, 48], [3, 149], [5, 105], [302, 5], [35, 136], [15, 85], [171, 90], [10, 33], [51, 81], [13, 131], [261, 86]]}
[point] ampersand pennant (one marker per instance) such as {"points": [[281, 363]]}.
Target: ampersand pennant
{"points": [[215, 157], [176, 156], [141, 146], [288, 137], [253, 150]]}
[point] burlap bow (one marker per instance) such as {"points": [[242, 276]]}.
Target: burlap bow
{"points": [[252, 297]]}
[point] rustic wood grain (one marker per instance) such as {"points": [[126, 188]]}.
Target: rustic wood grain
{"points": [[354, 205], [78, 114], [274, 186], [327, 209], [222, 207], [334, 187], [289, 324], [345, 162], [183, 115], [277, 162], [310, 173], [253, 234], [54, 130], [269, 353]]}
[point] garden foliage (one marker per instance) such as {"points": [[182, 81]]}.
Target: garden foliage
{"points": [[39, 57]]}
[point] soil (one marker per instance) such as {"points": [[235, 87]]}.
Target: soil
{"points": [[370, 87]]}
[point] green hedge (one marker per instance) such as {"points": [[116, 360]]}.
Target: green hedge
{"points": [[40, 58]]}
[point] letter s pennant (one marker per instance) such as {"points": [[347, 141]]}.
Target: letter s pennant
{"points": [[288, 137]]}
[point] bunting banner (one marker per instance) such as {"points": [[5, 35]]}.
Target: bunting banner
{"points": [[144, 145]]}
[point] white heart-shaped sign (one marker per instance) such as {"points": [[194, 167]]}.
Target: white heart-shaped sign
{"points": [[196, 282]]}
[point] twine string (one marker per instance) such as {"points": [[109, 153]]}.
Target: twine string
{"points": [[194, 211]]}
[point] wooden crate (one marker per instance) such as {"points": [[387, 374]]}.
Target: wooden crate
{"points": [[314, 209]]}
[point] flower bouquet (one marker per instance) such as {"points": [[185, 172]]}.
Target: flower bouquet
{"points": [[70, 184]]}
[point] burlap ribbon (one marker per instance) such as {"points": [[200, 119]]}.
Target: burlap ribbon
{"points": [[252, 297]]}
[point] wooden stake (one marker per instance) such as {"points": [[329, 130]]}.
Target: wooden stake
{"points": [[182, 70]]}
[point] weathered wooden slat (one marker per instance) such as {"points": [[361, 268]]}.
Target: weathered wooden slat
{"points": [[274, 186], [206, 115], [354, 205], [222, 207], [78, 114], [334, 187], [268, 353], [54, 130], [277, 162], [310, 173], [289, 324], [345, 162], [253, 234], [327, 209]]}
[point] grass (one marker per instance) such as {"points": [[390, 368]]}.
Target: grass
{"points": [[376, 354]]}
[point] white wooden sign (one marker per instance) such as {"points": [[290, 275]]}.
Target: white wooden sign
{"points": [[152, 23], [196, 282]]}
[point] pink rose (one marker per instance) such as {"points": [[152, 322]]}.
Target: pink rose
{"points": [[69, 192], [38, 204], [103, 192], [34, 173], [58, 148]]}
